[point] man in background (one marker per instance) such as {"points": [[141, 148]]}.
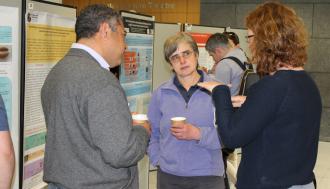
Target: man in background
{"points": [[225, 69], [233, 39], [7, 155], [91, 143]]}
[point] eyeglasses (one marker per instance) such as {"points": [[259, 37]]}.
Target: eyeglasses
{"points": [[185, 55], [248, 37]]}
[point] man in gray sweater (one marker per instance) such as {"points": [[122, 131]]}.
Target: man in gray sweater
{"points": [[91, 141], [225, 69]]}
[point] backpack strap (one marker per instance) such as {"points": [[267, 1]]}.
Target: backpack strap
{"points": [[240, 64], [249, 65]]}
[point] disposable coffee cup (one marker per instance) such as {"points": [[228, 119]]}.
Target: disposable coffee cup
{"points": [[140, 118], [178, 120]]}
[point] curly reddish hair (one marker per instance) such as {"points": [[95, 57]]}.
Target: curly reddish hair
{"points": [[280, 38]]}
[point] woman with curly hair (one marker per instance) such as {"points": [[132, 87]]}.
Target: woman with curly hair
{"points": [[278, 123]]}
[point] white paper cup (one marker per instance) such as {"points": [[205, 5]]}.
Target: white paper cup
{"points": [[140, 118], [178, 120]]}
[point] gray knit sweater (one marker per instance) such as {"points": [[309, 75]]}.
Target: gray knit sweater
{"points": [[91, 143]]}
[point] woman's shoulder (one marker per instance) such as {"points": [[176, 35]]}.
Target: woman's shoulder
{"points": [[276, 83]]}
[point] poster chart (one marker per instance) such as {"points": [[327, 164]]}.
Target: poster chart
{"points": [[48, 38], [136, 69], [205, 61], [136, 72], [201, 34], [9, 59], [10, 69]]}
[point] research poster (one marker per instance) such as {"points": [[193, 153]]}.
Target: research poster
{"points": [[48, 38], [10, 70], [136, 69], [9, 65], [205, 61]]}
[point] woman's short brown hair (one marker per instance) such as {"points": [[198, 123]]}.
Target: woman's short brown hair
{"points": [[171, 44], [280, 38]]}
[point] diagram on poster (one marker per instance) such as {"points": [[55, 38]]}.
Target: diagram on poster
{"points": [[205, 61], [136, 69], [137, 64]]}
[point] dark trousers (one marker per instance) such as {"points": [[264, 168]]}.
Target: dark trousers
{"points": [[168, 181]]}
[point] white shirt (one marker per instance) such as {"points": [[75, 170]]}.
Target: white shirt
{"points": [[93, 53]]}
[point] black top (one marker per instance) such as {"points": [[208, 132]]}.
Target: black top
{"points": [[277, 128]]}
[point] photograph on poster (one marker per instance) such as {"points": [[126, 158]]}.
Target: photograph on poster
{"points": [[5, 53]]}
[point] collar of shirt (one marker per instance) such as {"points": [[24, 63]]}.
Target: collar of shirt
{"points": [[93, 53], [184, 93], [177, 83]]}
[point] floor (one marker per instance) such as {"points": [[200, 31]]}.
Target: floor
{"points": [[322, 168]]}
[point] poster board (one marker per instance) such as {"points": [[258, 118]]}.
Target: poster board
{"points": [[10, 43], [201, 34], [49, 35], [202, 29], [161, 69], [241, 33], [136, 71]]}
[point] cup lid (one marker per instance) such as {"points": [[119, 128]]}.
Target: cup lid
{"points": [[139, 117], [178, 118]]}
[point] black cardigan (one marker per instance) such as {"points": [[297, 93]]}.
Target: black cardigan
{"points": [[277, 128]]}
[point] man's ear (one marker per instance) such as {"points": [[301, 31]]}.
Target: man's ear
{"points": [[104, 29], [218, 50]]}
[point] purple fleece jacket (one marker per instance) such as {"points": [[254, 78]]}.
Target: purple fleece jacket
{"points": [[184, 157]]}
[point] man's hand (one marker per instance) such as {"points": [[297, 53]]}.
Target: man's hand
{"points": [[145, 124]]}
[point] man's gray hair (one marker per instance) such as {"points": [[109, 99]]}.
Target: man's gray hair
{"points": [[217, 40]]}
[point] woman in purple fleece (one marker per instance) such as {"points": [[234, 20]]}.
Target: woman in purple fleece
{"points": [[188, 155]]}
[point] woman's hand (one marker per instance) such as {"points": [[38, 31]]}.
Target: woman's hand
{"points": [[185, 131], [237, 101], [209, 85]]}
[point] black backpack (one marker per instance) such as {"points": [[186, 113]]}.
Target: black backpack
{"points": [[249, 76]]}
